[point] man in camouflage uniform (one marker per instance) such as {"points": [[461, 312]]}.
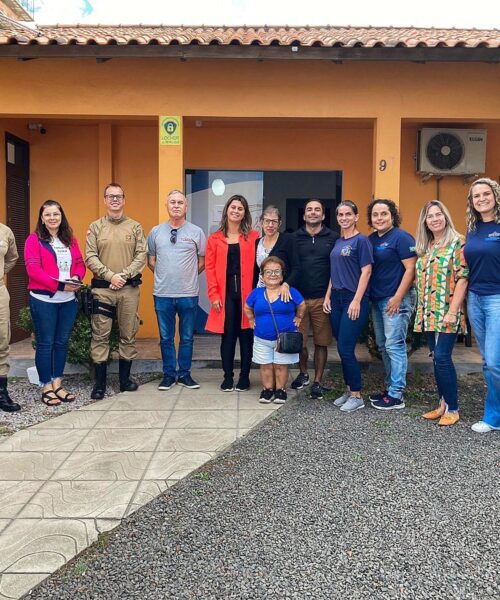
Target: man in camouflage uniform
{"points": [[116, 255], [8, 258]]}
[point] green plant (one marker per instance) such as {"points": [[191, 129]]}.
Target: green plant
{"points": [[81, 336]]}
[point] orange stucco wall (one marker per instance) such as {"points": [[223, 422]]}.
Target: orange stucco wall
{"points": [[101, 123]]}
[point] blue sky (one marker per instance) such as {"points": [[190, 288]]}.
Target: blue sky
{"points": [[422, 13]]}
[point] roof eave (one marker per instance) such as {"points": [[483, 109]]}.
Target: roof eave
{"points": [[338, 54]]}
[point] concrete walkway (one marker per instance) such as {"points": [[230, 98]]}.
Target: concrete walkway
{"points": [[64, 481]]}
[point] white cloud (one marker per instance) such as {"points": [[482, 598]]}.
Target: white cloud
{"points": [[425, 13]]}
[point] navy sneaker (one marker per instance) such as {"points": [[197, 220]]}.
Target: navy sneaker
{"points": [[300, 381], [389, 403], [318, 391], [266, 396], [189, 382], [377, 397], [227, 385], [280, 397], [166, 383], [243, 384]]}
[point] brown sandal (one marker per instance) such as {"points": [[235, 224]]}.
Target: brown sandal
{"points": [[64, 398], [49, 400]]}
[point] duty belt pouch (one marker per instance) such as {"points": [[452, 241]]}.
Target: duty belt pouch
{"points": [[93, 306]]}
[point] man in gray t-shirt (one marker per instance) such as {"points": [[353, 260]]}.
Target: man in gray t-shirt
{"points": [[176, 255]]}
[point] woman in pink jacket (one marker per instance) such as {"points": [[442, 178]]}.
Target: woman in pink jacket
{"points": [[53, 260]]}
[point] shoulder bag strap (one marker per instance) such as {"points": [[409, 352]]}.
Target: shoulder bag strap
{"points": [[272, 314]]}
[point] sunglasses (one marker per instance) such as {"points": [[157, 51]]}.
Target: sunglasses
{"points": [[173, 236]]}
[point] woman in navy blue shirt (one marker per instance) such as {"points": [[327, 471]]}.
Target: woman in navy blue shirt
{"points": [[347, 299], [482, 253], [393, 297], [287, 317]]}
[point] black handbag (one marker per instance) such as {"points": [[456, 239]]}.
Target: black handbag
{"points": [[288, 342]]}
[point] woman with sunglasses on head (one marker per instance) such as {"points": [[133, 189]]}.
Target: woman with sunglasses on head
{"points": [[482, 253], [229, 267], [269, 315], [53, 259], [347, 299], [441, 275], [274, 243]]}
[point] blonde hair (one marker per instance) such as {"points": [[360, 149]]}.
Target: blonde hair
{"points": [[425, 236], [472, 215]]}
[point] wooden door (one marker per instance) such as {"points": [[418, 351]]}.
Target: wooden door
{"points": [[18, 219]]}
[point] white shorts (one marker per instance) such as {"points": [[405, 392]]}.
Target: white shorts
{"points": [[264, 353]]}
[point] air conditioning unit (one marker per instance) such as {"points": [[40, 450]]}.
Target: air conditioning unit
{"points": [[451, 151]]}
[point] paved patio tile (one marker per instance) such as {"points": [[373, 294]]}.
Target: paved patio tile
{"points": [[23, 466], [154, 401], [147, 491], [44, 545], [207, 402], [209, 419], [116, 440], [246, 402], [14, 495], [251, 418], [203, 440], [101, 405], [14, 585], [128, 419], [77, 419], [44, 440], [80, 499], [104, 466], [175, 465]]}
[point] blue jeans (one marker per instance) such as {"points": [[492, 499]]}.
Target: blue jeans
{"points": [[52, 323], [484, 317], [166, 311], [444, 369], [347, 332], [390, 333]]}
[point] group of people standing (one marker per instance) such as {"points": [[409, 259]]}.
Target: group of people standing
{"points": [[262, 285]]}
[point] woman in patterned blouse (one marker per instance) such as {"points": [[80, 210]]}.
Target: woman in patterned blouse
{"points": [[441, 275]]}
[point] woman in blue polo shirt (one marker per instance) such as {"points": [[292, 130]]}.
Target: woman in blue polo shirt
{"points": [[482, 253], [393, 297], [347, 299]]}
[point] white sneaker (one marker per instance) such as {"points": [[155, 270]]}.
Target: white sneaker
{"points": [[482, 427], [352, 404], [341, 400]]}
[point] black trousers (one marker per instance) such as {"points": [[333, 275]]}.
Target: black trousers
{"points": [[233, 332]]}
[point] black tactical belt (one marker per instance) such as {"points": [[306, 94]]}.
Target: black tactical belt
{"points": [[102, 283]]}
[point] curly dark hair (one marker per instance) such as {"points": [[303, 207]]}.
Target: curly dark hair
{"points": [[393, 209], [65, 233]]}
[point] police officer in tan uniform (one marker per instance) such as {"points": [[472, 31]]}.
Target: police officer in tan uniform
{"points": [[8, 258], [116, 255]]}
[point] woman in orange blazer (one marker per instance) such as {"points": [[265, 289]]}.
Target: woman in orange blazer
{"points": [[229, 265]]}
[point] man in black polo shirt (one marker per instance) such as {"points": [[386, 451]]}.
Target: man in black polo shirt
{"points": [[313, 243]]}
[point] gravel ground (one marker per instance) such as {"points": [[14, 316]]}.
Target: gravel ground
{"points": [[34, 411], [316, 504]]}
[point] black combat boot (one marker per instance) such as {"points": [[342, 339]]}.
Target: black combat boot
{"points": [[99, 388], [126, 384], [6, 403]]}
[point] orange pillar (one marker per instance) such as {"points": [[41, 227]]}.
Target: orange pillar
{"points": [[170, 161], [170, 166], [387, 157], [105, 146]]}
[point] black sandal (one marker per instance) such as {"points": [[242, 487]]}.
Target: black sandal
{"points": [[66, 397], [49, 400]]}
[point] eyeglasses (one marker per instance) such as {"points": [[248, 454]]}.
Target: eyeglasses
{"points": [[272, 271], [271, 222], [173, 236], [115, 196]]}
